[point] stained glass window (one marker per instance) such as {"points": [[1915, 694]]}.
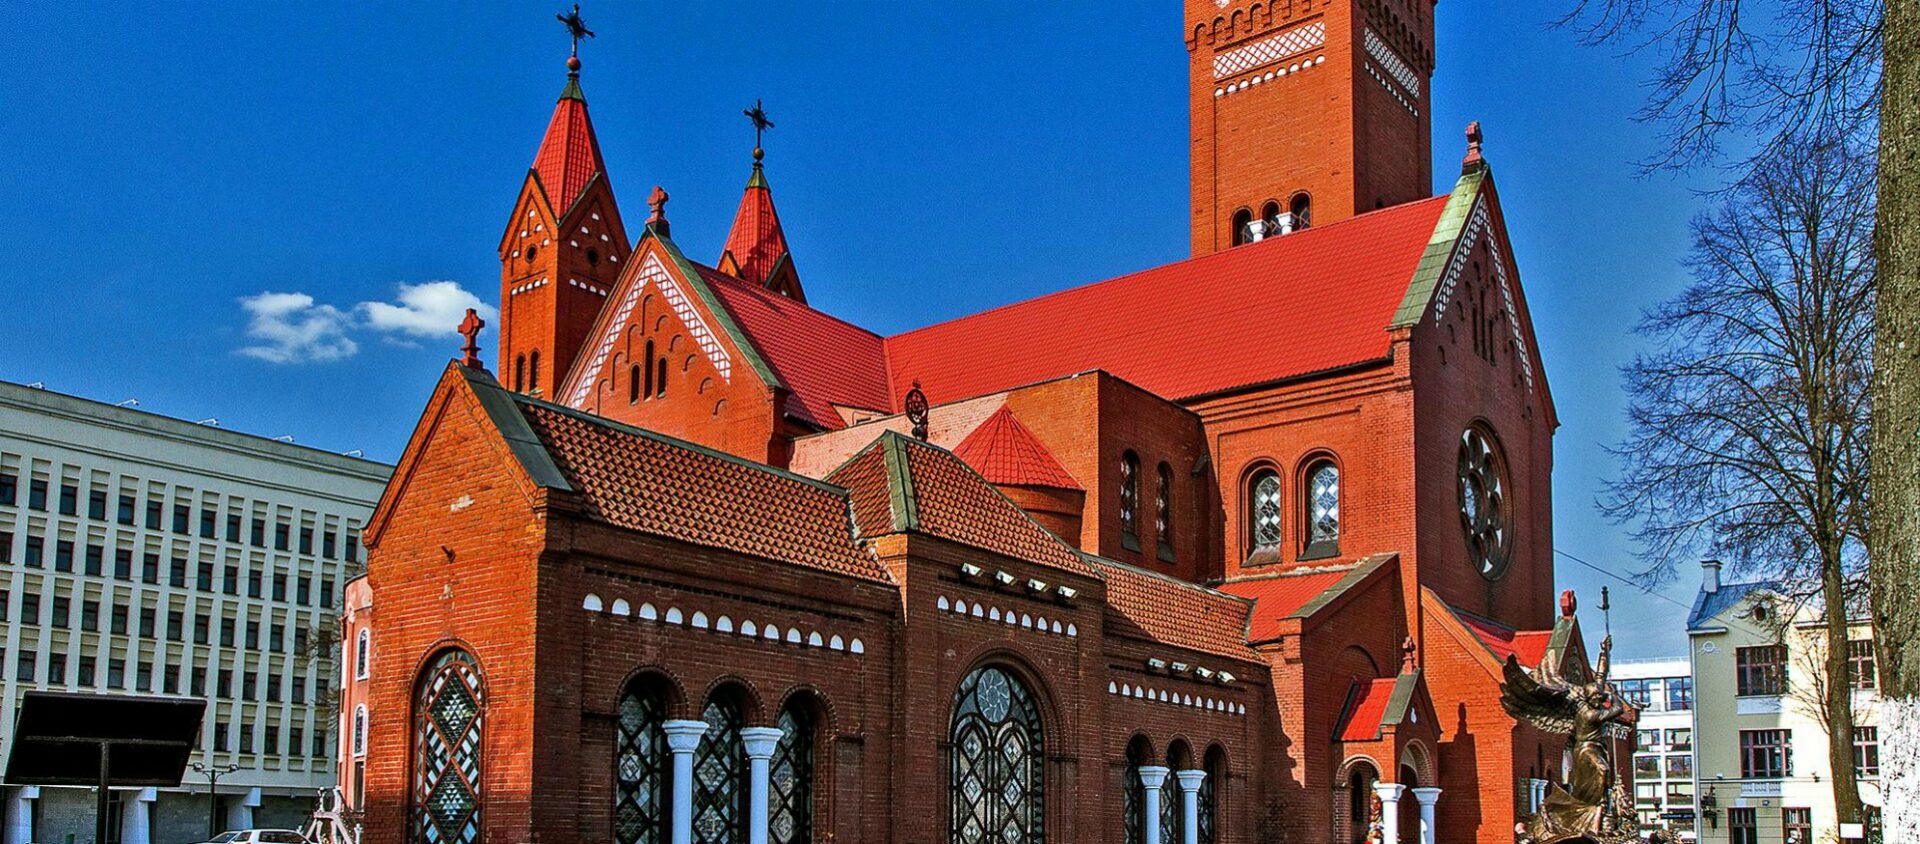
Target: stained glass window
{"points": [[446, 774], [790, 783], [1135, 803], [1323, 509], [1209, 793], [1163, 513], [996, 773], [1130, 500], [640, 800], [720, 776], [1483, 504], [1172, 810], [1263, 511]]}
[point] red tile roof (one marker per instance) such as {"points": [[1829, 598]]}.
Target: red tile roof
{"points": [[1529, 646], [756, 240], [1177, 613], [569, 154], [824, 361], [646, 482], [1277, 598], [1293, 305], [924, 489], [1005, 452], [1367, 704]]}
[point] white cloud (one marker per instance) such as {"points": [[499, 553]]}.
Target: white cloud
{"points": [[291, 328], [428, 309]]}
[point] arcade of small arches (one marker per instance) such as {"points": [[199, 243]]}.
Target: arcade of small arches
{"points": [[1172, 799], [1367, 808], [1273, 219]]}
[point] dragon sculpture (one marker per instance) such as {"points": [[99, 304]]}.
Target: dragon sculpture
{"points": [[1594, 807]]}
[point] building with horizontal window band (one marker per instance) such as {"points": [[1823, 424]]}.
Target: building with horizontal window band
{"points": [[142, 554]]}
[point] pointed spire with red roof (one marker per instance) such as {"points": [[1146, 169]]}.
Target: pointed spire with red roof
{"points": [[756, 249], [1006, 453], [569, 155]]}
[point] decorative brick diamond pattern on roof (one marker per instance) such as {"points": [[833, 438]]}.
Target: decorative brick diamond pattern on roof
{"points": [[1271, 49], [1392, 63], [1478, 225], [653, 485]]}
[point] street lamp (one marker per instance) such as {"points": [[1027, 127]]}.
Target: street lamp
{"points": [[213, 773]]}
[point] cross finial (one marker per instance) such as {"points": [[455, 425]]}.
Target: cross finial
{"points": [[470, 329], [657, 202], [760, 125], [1473, 159], [1408, 655], [576, 29]]}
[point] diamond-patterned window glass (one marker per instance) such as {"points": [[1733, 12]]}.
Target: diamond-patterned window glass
{"points": [[448, 714], [1263, 510], [1484, 516], [1130, 496], [1171, 810], [1323, 507], [1163, 511], [790, 774], [720, 777], [1134, 810], [640, 764], [997, 762], [1209, 790]]}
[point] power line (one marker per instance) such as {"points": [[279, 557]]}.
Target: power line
{"points": [[1623, 579]]}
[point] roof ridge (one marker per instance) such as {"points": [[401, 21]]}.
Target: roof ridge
{"points": [[771, 296]]}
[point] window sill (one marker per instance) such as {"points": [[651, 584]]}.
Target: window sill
{"points": [[1319, 552], [1129, 542]]}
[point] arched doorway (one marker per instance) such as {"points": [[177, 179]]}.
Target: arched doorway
{"points": [[1356, 808], [1409, 810]]}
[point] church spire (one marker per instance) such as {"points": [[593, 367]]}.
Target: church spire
{"points": [[569, 155], [756, 249]]}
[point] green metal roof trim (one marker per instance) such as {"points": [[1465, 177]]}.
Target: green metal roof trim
{"points": [[719, 311], [900, 494], [1401, 702], [1360, 572], [1428, 274], [521, 440]]}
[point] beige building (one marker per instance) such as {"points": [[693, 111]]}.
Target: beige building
{"points": [[1663, 792], [1760, 747]]}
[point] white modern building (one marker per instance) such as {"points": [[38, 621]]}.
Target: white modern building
{"points": [[1760, 742], [141, 554], [1663, 756]]}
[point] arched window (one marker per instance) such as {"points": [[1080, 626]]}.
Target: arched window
{"points": [[1210, 787], [1135, 809], [790, 817], [633, 384], [1173, 814], [360, 654], [519, 373], [1130, 501], [648, 375], [1241, 228], [1270, 216], [449, 708], [720, 774], [1263, 511], [660, 379], [997, 775], [1163, 513], [360, 730], [1363, 807], [1322, 503], [1301, 206], [640, 765], [533, 371]]}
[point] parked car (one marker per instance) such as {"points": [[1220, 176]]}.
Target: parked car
{"points": [[259, 836]]}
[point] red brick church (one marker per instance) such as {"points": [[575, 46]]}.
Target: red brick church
{"points": [[1226, 550]]}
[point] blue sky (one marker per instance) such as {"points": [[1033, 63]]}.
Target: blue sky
{"points": [[168, 163]]}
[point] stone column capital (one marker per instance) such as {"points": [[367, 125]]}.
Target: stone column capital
{"points": [[1190, 779], [1154, 776], [760, 741], [1389, 792], [1426, 795], [683, 735]]}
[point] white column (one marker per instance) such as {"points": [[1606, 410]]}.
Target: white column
{"points": [[682, 738], [1190, 781], [759, 742], [240, 810], [136, 816], [1427, 797], [1389, 794], [20, 802], [1152, 777]]}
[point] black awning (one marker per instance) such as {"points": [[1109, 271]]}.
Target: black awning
{"points": [[58, 738]]}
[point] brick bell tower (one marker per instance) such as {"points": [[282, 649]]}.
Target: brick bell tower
{"points": [[562, 251], [1305, 112]]}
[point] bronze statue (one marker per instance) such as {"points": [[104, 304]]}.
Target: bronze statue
{"points": [[1583, 705]]}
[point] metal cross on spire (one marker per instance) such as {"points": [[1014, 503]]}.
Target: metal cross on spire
{"points": [[576, 28], [760, 125], [470, 329]]}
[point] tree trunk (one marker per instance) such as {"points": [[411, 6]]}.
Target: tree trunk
{"points": [[1894, 528], [1838, 691]]}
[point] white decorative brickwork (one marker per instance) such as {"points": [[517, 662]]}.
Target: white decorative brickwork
{"points": [[1276, 74], [764, 632], [1208, 704], [1271, 49], [652, 274], [1478, 225], [1393, 64], [1008, 617]]}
